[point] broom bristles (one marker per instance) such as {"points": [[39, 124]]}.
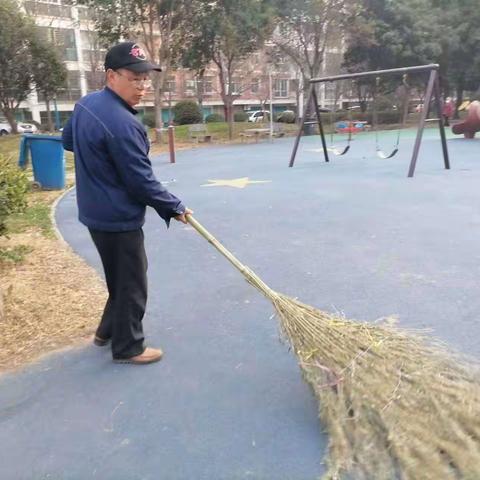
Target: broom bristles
{"points": [[394, 404]]}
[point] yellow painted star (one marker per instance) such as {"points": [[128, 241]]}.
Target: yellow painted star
{"points": [[235, 183]]}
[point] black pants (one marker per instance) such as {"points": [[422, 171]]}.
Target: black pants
{"points": [[125, 266]]}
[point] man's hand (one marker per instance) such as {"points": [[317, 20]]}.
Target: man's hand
{"points": [[183, 217]]}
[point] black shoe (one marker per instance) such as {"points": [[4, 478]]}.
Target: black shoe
{"points": [[100, 342]]}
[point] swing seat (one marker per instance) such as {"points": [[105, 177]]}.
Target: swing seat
{"points": [[339, 151], [386, 155]]}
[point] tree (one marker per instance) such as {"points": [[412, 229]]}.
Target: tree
{"points": [[15, 59], [49, 73], [150, 22], [225, 32], [385, 34], [306, 29], [388, 34], [459, 37]]}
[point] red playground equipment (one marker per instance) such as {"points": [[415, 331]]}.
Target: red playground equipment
{"points": [[351, 127], [472, 123]]}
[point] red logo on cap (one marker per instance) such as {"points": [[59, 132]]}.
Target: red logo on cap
{"points": [[138, 52]]}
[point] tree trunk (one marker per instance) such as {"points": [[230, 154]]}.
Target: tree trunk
{"points": [[200, 91], [228, 102], [308, 107], [49, 115], [10, 119]]}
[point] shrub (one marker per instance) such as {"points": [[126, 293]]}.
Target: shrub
{"points": [[214, 117], [389, 117], [187, 112], [240, 117], [149, 119], [384, 102], [286, 117], [13, 189]]}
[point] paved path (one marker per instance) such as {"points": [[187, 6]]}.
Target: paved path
{"points": [[228, 402]]}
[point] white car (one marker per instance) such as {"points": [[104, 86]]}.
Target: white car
{"points": [[259, 116], [5, 128]]}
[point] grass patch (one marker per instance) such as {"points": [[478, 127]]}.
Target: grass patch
{"points": [[36, 215], [9, 146], [14, 254]]}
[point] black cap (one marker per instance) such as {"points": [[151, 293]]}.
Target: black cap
{"points": [[131, 56]]}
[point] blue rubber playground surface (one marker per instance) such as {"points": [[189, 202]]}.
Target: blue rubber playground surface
{"points": [[227, 402]]}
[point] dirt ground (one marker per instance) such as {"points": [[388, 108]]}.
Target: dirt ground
{"points": [[51, 299]]}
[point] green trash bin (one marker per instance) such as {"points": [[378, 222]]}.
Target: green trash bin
{"points": [[48, 160]]}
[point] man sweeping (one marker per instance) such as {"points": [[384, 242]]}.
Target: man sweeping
{"points": [[115, 183]]}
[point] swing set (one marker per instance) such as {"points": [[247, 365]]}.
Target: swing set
{"points": [[432, 92]]}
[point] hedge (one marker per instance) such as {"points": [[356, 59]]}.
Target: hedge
{"points": [[187, 112], [13, 189], [214, 117]]}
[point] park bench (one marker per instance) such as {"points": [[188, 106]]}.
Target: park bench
{"points": [[199, 132]]}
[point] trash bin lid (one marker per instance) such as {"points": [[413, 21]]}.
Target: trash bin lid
{"points": [[37, 136]]}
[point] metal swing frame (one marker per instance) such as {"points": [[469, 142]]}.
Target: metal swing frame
{"points": [[432, 91]]}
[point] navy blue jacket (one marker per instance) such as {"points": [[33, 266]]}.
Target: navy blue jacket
{"points": [[114, 177]]}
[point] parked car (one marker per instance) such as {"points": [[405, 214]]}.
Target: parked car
{"points": [[258, 116], [5, 128]]}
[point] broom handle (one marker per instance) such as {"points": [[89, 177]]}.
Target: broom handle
{"points": [[251, 277]]}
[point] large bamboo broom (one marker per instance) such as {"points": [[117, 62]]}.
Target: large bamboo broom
{"points": [[395, 405]]}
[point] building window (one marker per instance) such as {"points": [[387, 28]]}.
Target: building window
{"points": [[207, 85], [72, 92], [63, 39], [280, 88], [170, 85], [44, 9], [235, 87], [255, 85], [93, 54], [84, 13], [190, 88], [95, 80], [198, 86]]}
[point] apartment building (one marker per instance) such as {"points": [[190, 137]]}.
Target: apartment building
{"points": [[68, 28]]}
